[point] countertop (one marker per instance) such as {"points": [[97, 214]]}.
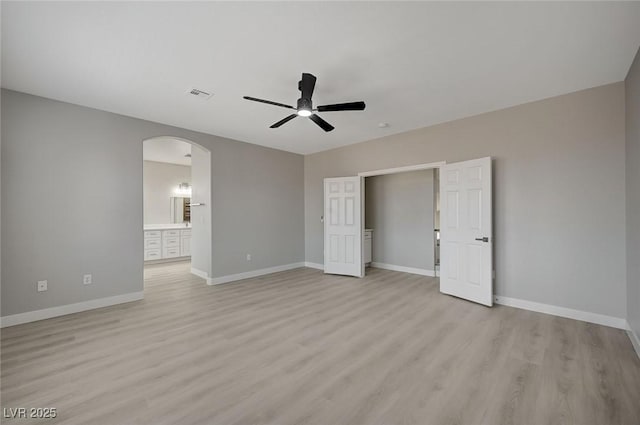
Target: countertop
{"points": [[172, 226]]}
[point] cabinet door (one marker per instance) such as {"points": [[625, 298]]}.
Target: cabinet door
{"points": [[367, 251], [185, 246]]}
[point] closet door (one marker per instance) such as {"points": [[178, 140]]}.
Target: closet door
{"points": [[466, 240], [343, 220]]}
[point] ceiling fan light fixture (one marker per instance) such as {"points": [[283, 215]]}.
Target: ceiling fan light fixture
{"points": [[305, 105]]}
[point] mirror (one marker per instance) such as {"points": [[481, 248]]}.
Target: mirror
{"points": [[180, 209]]}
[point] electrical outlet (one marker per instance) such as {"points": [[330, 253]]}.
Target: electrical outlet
{"points": [[248, 257], [42, 285], [87, 279]]}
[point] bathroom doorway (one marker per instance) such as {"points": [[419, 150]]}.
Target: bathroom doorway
{"points": [[176, 205]]}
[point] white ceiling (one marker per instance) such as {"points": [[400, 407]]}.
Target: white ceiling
{"points": [[415, 64], [166, 149]]}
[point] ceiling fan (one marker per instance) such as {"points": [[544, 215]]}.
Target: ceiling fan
{"points": [[305, 106]]}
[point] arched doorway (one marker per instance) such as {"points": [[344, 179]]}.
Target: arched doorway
{"points": [[177, 203]]}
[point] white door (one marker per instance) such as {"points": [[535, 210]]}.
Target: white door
{"points": [[343, 226], [466, 240]]}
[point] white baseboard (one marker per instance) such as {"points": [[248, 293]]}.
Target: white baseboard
{"points": [[252, 273], [199, 273], [635, 341], [63, 310], [314, 265], [585, 316], [413, 270]]}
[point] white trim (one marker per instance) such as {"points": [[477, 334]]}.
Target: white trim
{"points": [[413, 270], [252, 273], [635, 341], [585, 316], [199, 273], [167, 260], [314, 265], [63, 310], [416, 167]]}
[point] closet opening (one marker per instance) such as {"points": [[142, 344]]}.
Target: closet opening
{"points": [[402, 219]]}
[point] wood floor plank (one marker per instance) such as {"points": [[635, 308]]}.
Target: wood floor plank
{"points": [[300, 347]]}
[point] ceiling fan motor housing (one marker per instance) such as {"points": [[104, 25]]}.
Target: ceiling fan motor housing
{"points": [[305, 104]]}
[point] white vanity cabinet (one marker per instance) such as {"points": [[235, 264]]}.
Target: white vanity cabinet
{"points": [[368, 235], [166, 243]]}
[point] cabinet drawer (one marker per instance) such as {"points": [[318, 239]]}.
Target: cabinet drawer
{"points": [[171, 252], [152, 254], [170, 233], [152, 243], [367, 235], [185, 232], [170, 242], [152, 234]]}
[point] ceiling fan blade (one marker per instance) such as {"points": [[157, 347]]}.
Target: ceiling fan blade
{"points": [[306, 85], [350, 106], [255, 99], [284, 120], [322, 123]]}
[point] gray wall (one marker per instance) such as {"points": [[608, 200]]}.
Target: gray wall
{"points": [[258, 208], [72, 202], [632, 96], [559, 192], [399, 207], [160, 181]]}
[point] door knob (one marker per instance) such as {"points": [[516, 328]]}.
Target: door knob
{"points": [[485, 239]]}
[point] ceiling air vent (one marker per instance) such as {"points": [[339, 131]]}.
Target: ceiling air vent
{"points": [[199, 93]]}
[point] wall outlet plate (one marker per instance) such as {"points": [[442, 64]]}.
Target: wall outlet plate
{"points": [[42, 285], [87, 279], [248, 257]]}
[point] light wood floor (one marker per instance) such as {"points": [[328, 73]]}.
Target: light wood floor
{"points": [[300, 347]]}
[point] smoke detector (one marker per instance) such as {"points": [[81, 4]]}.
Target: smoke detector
{"points": [[201, 94]]}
